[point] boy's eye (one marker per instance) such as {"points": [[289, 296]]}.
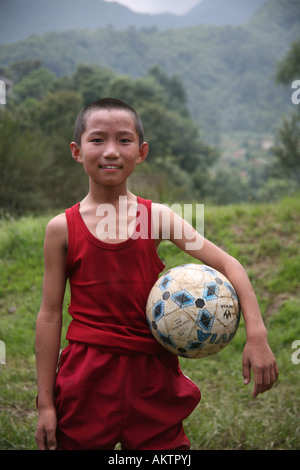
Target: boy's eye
{"points": [[124, 141], [97, 140]]}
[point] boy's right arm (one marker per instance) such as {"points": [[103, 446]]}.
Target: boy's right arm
{"points": [[48, 329]]}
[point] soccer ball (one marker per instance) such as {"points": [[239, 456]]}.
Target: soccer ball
{"points": [[193, 311]]}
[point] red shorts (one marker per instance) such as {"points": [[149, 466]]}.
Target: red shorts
{"points": [[139, 401]]}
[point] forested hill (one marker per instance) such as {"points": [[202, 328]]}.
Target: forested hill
{"points": [[228, 72], [20, 19]]}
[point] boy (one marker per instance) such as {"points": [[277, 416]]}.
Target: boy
{"points": [[115, 383]]}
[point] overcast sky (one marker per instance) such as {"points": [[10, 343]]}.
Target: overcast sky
{"points": [[159, 6]]}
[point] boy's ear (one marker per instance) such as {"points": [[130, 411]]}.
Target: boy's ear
{"points": [[76, 152], [143, 152]]}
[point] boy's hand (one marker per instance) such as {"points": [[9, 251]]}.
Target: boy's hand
{"points": [[258, 356], [46, 430]]}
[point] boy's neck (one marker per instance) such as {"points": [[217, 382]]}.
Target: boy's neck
{"points": [[110, 218], [94, 198]]}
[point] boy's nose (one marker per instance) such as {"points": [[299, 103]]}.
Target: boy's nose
{"points": [[111, 150]]}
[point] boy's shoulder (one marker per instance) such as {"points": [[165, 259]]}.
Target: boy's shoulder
{"points": [[57, 227], [162, 210], [58, 222], [158, 207]]}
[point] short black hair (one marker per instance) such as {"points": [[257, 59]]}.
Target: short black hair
{"points": [[109, 104]]}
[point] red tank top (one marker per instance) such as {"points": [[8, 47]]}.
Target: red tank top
{"points": [[110, 284]]}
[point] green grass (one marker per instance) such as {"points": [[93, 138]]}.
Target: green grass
{"points": [[266, 239]]}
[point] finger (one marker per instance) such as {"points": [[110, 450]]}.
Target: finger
{"points": [[267, 381], [270, 376], [275, 373], [246, 373], [41, 441], [51, 441], [258, 382], [264, 380]]}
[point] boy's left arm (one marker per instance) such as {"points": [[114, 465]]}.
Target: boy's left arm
{"points": [[257, 353]]}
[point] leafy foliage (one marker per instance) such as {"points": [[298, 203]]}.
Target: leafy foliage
{"points": [[37, 127], [220, 80], [289, 67], [227, 72], [287, 145]]}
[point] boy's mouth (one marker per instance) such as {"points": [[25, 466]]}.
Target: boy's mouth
{"points": [[110, 167]]}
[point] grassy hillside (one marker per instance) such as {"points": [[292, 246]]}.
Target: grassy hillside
{"points": [[266, 239]]}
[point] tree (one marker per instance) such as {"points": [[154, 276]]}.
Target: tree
{"points": [[91, 82], [38, 136], [34, 85], [24, 158], [18, 70], [56, 112], [288, 68], [174, 91], [55, 116], [287, 146]]}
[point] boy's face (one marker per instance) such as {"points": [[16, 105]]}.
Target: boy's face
{"points": [[109, 147]]}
